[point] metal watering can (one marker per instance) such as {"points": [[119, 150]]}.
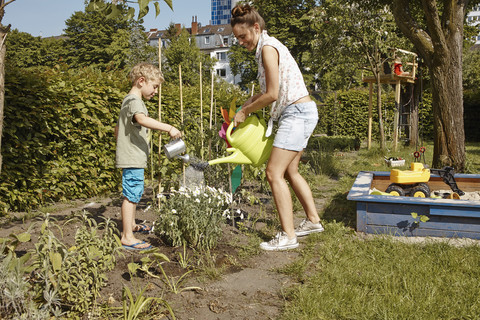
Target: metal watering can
{"points": [[249, 144], [175, 148]]}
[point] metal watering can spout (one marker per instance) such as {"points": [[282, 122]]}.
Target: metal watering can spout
{"points": [[249, 144]]}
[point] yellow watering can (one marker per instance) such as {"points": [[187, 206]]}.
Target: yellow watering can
{"points": [[248, 141]]}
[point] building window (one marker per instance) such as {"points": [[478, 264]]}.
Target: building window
{"points": [[221, 73], [207, 40], [221, 56], [225, 41]]}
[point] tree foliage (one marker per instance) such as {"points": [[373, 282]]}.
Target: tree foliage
{"points": [[182, 50], [97, 40], [25, 50], [243, 63]]}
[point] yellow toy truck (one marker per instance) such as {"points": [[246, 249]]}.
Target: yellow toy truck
{"points": [[413, 182]]}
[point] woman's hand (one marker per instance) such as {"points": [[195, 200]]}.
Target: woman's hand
{"points": [[239, 118]]}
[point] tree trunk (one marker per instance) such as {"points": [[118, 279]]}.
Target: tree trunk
{"points": [[440, 45], [447, 100]]}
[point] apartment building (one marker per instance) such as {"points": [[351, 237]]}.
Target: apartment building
{"points": [[221, 11], [473, 18]]}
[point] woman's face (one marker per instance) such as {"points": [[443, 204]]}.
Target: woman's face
{"points": [[247, 35]]}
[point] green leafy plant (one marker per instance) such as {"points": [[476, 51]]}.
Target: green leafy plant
{"points": [[192, 216], [419, 218], [155, 261], [184, 258], [134, 306], [77, 273]]}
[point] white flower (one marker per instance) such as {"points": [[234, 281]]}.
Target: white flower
{"points": [[197, 200], [174, 211]]}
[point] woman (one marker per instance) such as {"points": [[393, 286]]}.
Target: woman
{"points": [[282, 86]]}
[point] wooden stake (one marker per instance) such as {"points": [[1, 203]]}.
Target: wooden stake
{"points": [[201, 107], [211, 102], [181, 111], [370, 118], [211, 112], [160, 120]]}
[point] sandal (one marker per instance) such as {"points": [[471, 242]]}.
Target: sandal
{"points": [[134, 246], [142, 228]]}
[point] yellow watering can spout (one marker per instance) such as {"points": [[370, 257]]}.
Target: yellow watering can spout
{"points": [[249, 144], [235, 157]]}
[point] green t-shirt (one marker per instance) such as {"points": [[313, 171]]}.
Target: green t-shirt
{"points": [[132, 141]]}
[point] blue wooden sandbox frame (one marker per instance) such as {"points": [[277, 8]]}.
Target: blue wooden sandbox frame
{"points": [[378, 214]]}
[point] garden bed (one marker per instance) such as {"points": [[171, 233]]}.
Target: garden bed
{"points": [[380, 214]]}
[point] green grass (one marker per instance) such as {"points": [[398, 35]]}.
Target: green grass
{"points": [[344, 276]]}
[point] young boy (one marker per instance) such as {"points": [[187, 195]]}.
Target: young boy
{"points": [[132, 147]]}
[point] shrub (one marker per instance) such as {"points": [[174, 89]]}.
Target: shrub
{"points": [[76, 274], [192, 216]]}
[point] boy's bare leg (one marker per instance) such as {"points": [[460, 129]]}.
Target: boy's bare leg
{"points": [[128, 221]]}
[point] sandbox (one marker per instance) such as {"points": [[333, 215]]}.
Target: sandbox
{"points": [[379, 214]]}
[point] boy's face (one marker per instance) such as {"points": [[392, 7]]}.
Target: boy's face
{"points": [[149, 88]]}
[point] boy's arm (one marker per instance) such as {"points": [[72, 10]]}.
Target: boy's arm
{"points": [[116, 132], [153, 124]]}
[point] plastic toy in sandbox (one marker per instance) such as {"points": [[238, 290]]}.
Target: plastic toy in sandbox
{"points": [[413, 182]]}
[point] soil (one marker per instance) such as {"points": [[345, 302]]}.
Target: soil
{"points": [[244, 288]]}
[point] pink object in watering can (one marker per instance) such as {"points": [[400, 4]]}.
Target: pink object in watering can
{"points": [[249, 144]]}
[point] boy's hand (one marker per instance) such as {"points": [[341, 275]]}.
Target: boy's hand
{"points": [[175, 133]]}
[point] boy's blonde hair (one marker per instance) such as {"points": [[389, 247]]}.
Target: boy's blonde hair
{"points": [[146, 70]]}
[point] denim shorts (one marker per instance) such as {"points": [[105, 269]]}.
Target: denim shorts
{"points": [[133, 183], [296, 125]]}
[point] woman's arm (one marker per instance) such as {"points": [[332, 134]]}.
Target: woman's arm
{"points": [[261, 100]]}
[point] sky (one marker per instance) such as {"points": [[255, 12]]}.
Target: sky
{"points": [[46, 18]]}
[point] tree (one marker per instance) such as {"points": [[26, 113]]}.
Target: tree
{"points": [[242, 63], [182, 50], [353, 37], [113, 9], [95, 39], [435, 27], [25, 50]]}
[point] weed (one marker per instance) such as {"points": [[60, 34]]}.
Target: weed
{"points": [[133, 306], [154, 261]]}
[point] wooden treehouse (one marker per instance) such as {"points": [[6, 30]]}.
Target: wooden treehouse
{"points": [[406, 114]]}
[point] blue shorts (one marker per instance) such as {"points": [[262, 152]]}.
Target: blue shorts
{"points": [[133, 183], [296, 125]]}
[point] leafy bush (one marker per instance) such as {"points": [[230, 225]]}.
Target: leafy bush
{"points": [[192, 216], [58, 140], [58, 136], [74, 274], [346, 114], [333, 143]]}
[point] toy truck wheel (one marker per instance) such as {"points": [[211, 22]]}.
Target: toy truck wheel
{"points": [[420, 191], [395, 190]]}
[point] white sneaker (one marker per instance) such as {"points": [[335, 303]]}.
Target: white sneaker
{"points": [[307, 227], [279, 242]]}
